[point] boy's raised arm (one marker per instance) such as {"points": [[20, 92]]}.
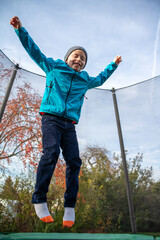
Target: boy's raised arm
{"points": [[46, 64], [104, 75]]}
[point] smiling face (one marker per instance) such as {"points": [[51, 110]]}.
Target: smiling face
{"points": [[76, 60]]}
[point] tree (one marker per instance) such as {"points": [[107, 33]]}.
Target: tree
{"points": [[97, 188], [102, 185], [102, 202], [18, 213], [20, 127], [20, 133]]}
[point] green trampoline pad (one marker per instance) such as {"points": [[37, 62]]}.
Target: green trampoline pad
{"points": [[73, 236]]}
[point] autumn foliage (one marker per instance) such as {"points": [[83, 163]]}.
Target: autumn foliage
{"points": [[20, 127], [20, 134]]}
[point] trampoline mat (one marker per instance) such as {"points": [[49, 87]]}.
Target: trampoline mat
{"points": [[73, 236]]}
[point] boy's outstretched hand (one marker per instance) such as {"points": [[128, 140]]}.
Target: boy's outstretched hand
{"points": [[15, 22], [117, 59]]}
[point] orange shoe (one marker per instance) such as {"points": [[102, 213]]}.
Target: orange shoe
{"points": [[68, 224], [47, 219]]}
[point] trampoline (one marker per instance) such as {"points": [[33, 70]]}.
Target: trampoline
{"points": [[135, 104]]}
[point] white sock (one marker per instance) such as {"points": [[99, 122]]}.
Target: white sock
{"points": [[41, 210], [69, 214]]}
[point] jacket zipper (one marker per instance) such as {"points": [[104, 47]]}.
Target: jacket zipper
{"points": [[49, 90], [68, 93]]}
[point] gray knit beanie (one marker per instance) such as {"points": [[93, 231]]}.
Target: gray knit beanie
{"points": [[73, 49]]}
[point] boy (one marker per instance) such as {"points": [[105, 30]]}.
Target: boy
{"points": [[66, 85]]}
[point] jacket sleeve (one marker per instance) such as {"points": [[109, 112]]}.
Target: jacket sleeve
{"points": [[46, 64], [102, 77]]}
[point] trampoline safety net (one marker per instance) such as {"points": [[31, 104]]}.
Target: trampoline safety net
{"points": [[139, 113]]}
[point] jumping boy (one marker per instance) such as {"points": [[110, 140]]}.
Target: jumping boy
{"points": [[66, 85]]}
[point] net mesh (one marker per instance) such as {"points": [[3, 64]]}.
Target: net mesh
{"points": [[140, 117]]}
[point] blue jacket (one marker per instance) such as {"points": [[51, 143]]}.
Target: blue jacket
{"points": [[65, 88]]}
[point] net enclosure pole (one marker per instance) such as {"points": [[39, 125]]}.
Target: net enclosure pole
{"points": [[123, 155], [8, 91]]}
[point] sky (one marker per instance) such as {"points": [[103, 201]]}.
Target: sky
{"points": [[106, 28]]}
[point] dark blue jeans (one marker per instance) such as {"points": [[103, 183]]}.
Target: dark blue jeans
{"points": [[57, 134]]}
